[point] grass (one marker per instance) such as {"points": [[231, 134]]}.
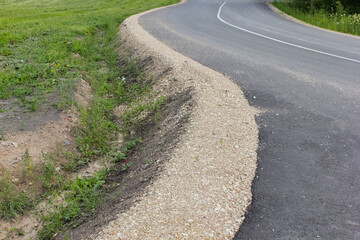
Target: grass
{"points": [[2, 132], [47, 45], [45, 48], [136, 114], [82, 198], [128, 147], [12, 202], [339, 21]]}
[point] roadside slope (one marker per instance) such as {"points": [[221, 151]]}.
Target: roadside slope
{"points": [[205, 187]]}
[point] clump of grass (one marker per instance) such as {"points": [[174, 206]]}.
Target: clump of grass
{"points": [[28, 170], [50, 176], [82, 198], [138, 112], [97, 129], [12, 201], [2, 132], [128, 147], [74, 161]]}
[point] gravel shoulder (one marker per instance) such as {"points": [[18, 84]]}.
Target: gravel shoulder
{"points": [[205, 187]]}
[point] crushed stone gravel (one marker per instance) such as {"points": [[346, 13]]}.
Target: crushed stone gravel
{"points": [[205, 188]]}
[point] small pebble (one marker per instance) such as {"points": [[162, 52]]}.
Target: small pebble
{"points": [[15, 180]]}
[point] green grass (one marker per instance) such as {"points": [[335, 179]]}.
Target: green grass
{"points": [[82, 198], [135, 116], [339, 21], [12, 201], [46, 44], [128, 147]]}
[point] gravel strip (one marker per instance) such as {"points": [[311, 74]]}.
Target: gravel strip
{"points": [[205, 187]]}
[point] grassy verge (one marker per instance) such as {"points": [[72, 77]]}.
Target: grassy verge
{"points": [[47, 45], [339, 21], [45, 48]]}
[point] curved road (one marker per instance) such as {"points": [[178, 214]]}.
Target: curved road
{"points": [[307, 83]]}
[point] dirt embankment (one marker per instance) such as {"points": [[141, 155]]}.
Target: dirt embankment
{"points": [[44, 131], [205, 186]]}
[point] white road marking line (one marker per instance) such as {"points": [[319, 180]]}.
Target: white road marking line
{"points": [[283, 42]]}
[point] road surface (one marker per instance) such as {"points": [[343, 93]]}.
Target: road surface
{"points": [[306, 82]]}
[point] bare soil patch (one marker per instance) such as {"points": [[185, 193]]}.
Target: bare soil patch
{"points": [[14, 118], [45, 131]]}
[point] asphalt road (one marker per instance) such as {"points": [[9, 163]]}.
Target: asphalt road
{"points": [[307, 83]]}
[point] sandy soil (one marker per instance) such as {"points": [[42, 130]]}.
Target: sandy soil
{"points": [[45, 138], [205, 187]]}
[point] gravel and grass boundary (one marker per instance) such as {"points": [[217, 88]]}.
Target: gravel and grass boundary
{"points": [[205, 187]]}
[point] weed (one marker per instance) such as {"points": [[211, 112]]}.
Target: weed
{"points": [[2, 132], [83, 197], [67, 88], [28, 170], [131, 144], [135, 116], [12, 202], [74, 161], [22, 126], [97, 130], [21, 232], [128, 147], [125, 166], [33, 104], [120, 157], [50, 176]]}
